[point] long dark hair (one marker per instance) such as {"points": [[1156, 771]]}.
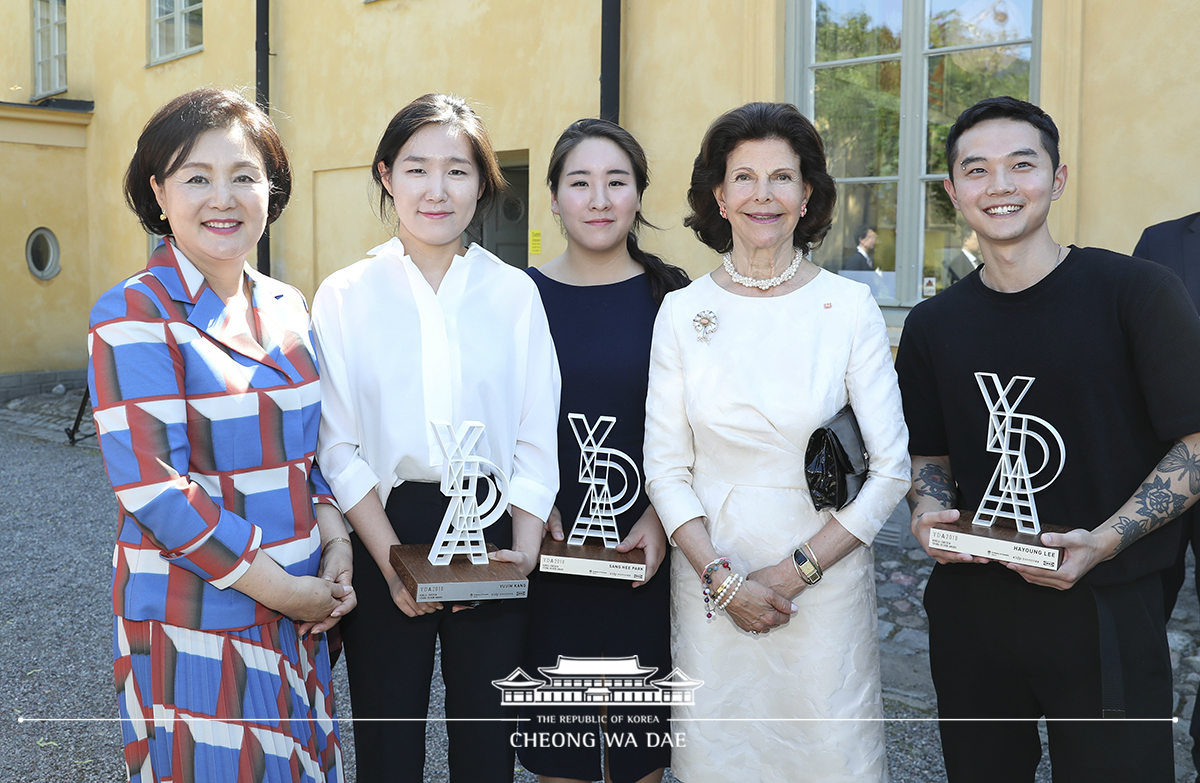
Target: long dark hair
{"points": [[747, 123], [663, 277], [452, 111]]}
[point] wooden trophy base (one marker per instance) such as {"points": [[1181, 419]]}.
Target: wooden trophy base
{"points": [[559, 557], [460, 580], [1002, 541]]}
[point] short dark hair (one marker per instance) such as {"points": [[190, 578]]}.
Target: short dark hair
{"points": [[1003, 108], [663, 277], [752, 122], [171, 133], [861, 233], [454, 112]]}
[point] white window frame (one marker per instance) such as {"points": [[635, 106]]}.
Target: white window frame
{"points": [[911, 179], [179, 15], [57, 59]]}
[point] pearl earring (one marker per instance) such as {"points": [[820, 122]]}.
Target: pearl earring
{"points": [[162, 216], [803, 209], [722, 207]]}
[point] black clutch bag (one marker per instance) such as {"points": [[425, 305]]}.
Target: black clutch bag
{"points": [[836, 462]]}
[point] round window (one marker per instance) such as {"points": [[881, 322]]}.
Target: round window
{"points": [[41, 253]]}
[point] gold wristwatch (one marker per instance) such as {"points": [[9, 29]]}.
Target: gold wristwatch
{"points": [[804, 567]]}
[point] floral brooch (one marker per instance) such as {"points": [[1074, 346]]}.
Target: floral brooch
{"points": [[705, 324]]}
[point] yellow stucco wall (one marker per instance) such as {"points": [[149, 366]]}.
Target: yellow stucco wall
{"points": [[684, 64], [1139, 146], [44, 322], [1120, 80], [1117, 84]]}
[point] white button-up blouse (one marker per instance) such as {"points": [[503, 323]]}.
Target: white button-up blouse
{"points": [[396, 355]]}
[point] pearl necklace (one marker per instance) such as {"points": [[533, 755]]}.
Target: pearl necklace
{"points": [[762, 285]]}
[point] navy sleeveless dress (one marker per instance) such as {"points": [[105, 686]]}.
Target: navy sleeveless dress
{"points": [[602, 336]]}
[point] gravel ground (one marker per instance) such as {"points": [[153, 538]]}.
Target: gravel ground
{"points": [[56, 649]]}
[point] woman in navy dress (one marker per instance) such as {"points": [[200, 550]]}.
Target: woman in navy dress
{"points": [[601, 298]]}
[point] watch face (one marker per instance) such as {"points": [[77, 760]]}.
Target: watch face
{"points": [[808, 572]]}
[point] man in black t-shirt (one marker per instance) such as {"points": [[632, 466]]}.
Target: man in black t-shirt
{"points": [[1107, 352]]}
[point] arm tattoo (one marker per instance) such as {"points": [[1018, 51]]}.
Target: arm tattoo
{"points": [[1158, 503], [1180, 460], [934, 482], [1130, 530]]}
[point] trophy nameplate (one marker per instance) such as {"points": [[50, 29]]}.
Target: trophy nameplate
{"points": [[456, 567], [1006, 525], [1001, 541], [561, 557], [460, 581], [597, 517]]}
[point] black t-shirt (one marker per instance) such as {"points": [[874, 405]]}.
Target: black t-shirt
{"points": [[1113, 346]]}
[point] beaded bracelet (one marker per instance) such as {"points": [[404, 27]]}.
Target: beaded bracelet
{"points": [[713, 567], [729, 597], [706, 581]]}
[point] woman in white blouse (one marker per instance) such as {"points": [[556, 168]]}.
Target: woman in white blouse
{"points": [[426, 330]]}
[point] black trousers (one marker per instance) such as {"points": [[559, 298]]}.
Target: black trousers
{"points": [[389, 660], [1003, 648]]}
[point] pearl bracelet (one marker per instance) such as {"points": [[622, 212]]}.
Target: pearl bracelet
{"points": [[729, 596]]}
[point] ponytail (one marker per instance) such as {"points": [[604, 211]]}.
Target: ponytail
{"points": [[663, 277]]}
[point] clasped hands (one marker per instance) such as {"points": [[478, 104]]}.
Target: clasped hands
{"points": [[760, 603]]}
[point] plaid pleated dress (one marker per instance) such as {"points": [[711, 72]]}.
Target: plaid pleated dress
{"points": [[208, 438]]}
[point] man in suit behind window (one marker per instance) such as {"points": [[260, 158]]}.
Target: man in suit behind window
{"points": [[860, 259], [965, 260]]}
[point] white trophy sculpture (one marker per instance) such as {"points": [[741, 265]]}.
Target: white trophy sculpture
{"points": [[597, 517], [462, 526], [429, 571], [1010, 493]]}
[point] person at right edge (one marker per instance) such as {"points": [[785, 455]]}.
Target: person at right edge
{"points": [[1176, 245], [1113, 347]]}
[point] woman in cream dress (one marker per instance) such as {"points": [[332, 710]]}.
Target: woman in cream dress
{"points": [[746, 363]]}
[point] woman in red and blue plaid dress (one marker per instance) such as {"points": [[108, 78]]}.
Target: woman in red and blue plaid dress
{"points": [[231, 560]]}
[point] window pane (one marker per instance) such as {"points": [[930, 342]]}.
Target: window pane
{"points": [[870, 205], [44, 82], [164, 8], [195, 29], [857, 28], [957, 81], [61, 35], [43, 43], [60, 10], [964, 22], [41, 14], [951, 247], [857, 112], [166, 37], [61, 60]]}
